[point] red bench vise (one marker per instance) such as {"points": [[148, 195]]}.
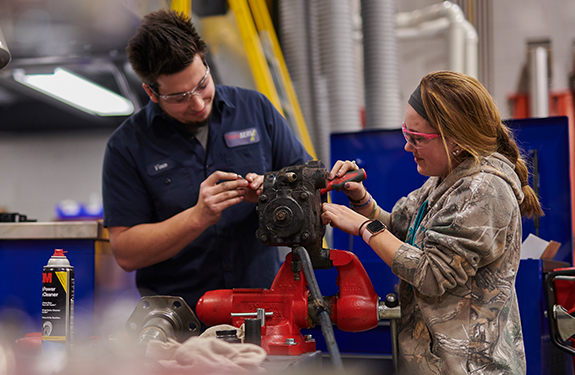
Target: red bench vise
{"points": [[287, 309]]}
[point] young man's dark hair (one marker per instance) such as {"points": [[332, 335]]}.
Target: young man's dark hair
{"points": [[165, 43]]}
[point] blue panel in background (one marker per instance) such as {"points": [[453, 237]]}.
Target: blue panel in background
{"points": [[550, 138]]}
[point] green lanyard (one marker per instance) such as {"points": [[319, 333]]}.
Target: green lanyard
{"points": [[413, 230]]}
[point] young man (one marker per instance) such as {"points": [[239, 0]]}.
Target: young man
{"points": [[180, 177]]}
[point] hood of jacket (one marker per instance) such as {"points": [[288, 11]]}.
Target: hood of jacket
{"points": [[495, 164]]}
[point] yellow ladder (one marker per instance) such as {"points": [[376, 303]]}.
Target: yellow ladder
{"points": [[182, 6], [267, 64]]}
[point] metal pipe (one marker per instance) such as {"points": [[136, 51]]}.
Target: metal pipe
{"points": [[389, 309], [293, 30], [318, 302], [461, 35], [471, 49], [539, 88], [338, 63], [299, 32], [394, 344], [383, 106]]}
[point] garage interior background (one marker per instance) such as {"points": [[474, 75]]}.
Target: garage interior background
{"points": [[50, 155]]}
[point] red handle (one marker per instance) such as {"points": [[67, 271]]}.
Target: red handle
{"points": [[337, 183]]}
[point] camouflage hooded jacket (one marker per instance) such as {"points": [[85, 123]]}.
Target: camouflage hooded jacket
{"points": [[457, 283]]}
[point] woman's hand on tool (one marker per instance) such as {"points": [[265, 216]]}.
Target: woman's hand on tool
{"points": [[354, 190]]}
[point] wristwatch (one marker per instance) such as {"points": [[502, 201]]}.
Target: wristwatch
{"points": [[373, 229]]}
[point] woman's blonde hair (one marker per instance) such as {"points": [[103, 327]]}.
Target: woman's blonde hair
{"points": [[463, 111]]}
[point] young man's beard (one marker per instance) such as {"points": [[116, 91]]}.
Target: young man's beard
{"points": [[194, 125]]}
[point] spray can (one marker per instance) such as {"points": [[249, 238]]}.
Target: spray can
{"points": [[58, 301]]}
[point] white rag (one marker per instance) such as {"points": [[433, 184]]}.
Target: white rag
{"points": [[206, 354]]}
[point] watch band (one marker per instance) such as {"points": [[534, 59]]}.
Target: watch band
{"points": [[361, 226], [366, 236]]}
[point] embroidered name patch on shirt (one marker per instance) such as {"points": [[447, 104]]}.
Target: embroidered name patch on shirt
{"points": [[160, 166], [242, 137]]}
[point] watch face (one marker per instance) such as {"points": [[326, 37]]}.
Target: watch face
{"points": [[375, 226]]}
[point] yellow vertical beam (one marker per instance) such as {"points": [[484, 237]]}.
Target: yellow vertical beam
{"points": [[259, 67], [264, 24], [182, 6]]}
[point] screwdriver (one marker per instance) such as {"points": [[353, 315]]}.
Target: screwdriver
{"points": [[337, 183]]}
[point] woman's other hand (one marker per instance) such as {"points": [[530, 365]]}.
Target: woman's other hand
{"points": [[342, 217]]}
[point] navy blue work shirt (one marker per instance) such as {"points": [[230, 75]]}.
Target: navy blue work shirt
{"points": [[153, 168]]}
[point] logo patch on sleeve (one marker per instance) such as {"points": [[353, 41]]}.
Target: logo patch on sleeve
{"points": [[242, 137], [160, 166]]}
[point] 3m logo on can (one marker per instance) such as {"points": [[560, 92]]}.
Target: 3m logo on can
{"points": [[47, 277]]}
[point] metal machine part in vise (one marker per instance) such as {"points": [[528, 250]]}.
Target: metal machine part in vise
{"points": [[289, 210], [162, 318], [560, 298]]}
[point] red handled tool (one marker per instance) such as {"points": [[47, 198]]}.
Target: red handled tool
{"points": [[337, 183]]}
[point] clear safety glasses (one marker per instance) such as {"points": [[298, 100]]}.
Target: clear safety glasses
{"points": [[185, 96]]}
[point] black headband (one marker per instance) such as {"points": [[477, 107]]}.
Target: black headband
{"points": [[416, 102]]}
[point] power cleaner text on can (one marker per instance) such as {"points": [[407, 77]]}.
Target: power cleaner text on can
{"points": [[58, 301]]}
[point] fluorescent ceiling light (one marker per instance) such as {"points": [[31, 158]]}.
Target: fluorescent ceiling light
{"points": [[77, 92]]}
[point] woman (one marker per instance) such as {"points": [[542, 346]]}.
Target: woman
{"points": [[455, 242]]}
